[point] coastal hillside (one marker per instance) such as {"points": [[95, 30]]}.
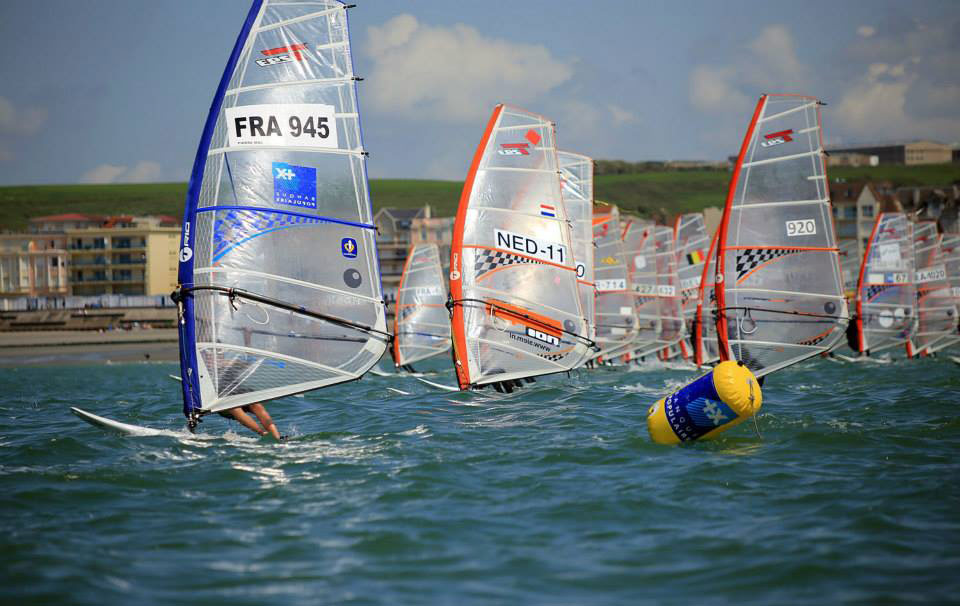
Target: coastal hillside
{"points": [[648, 193]]}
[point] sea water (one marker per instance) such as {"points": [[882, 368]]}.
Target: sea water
{"points": [[845, 491]]}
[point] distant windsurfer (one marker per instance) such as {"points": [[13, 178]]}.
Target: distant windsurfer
{"points": [[266, 425]]}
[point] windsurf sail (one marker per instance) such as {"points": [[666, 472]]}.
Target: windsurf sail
{"points": [[278, 285], [513, 278], [936, 310], [616, 319], [640, 257], [690, 235], [779, 287], [576, 179], [885, 290], [950, 252], [672, 329], [706, 346], [421, 326]]}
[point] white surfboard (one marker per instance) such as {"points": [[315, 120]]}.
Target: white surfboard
{"points": [[117, 426], [438, 385]]}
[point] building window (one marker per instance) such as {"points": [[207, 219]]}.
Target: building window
{"points": [[868, 210]]}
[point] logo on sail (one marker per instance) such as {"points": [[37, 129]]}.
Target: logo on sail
{"points": [[294, 185], [777, 138], [520, 149], [348, 246], [281, 54]]}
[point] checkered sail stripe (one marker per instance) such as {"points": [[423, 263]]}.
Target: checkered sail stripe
{"points": [[554, 357], [237, 226], [751, 258], [873, 291], [815, 340], [492, 259]]}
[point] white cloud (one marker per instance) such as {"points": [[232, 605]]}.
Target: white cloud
{"points": [[142, 172], [865, 31], [621, 116], [454, 73], [768, 63], [22, 122]]}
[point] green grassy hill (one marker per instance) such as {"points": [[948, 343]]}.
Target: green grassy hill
{"points": [[645, 193]]}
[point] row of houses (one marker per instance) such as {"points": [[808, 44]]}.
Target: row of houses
{"points": [[79, 255]]}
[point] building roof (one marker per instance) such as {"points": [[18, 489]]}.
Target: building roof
{"points": [[844, 191], [66, 217]]}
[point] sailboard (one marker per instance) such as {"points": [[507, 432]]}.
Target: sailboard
{"points": [[936, 309], [779, 288], [616, 318], [118, 427], [513, 277], [692, 242], [640, 256], [422, 325], [576, 179], [672, 329], [706, 346], [278, 284], [886, 294]]}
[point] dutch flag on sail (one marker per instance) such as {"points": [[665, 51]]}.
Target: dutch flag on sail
{"points": [[548, 211]]}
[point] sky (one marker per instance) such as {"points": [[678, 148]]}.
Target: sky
{"points": [[117, 91]]}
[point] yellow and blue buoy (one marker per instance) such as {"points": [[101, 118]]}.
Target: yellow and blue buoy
{"points": [[723, 398]]}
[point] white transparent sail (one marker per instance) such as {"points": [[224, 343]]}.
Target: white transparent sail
{"points": [[705, 322], [950, 253], [640, 255], [576, 180], [278, 275], [692, 242], [936, 309], [780, 292], [616, 319], [886, 293], [422, 324], [672, 329], [513, 278]]}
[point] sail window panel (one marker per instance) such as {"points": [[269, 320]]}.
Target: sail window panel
{"points": [[204, 247], [422, 320], [801, 226], [239, 373], [522, 282], [526, 148], [498, 357], [765, 358], [316, 185], [792, 134], [295, 248], [306, 50], [782, 181], [284, 10], [782, 270], [671, 314], [250, 325], [692, 248], [523, 193]]}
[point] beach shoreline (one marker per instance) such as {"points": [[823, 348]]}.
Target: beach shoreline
{"points": [[48, 348]]}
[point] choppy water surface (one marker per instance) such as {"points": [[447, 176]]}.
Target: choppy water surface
{"points": [[551, 495]]}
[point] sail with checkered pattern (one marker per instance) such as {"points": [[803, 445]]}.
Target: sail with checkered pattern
{"points": [[576, 179], [513, 274], [640, 255], [690, 235], [886, 294], [780, 290], [936, 307], [279, 285], [615, 313], [421, 326]]}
